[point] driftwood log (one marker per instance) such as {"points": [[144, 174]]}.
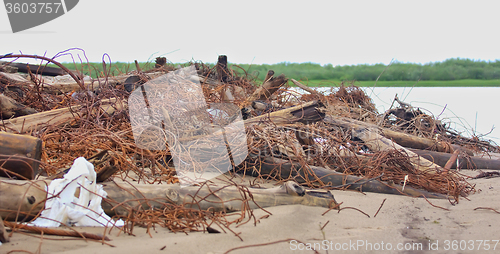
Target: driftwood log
{"points": [[377, 142], [271, 84], [11, 108], [25, 199], [305, 88], [13, 79], [223, 73], [49, 84], [308, 112], [67, 84], [403, 139], [286, 169], [19, 156], [21, 199], [466, 163], [35, 122], [160, 62], [35, 68], [214, 197], [8, 69]]}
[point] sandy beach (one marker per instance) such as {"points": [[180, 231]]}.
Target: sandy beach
{"points": [[403, 225]]}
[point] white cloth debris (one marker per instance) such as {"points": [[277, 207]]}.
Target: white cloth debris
{"points": [[85, 210]]}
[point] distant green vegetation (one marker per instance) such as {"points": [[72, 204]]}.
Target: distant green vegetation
{"points": [[451, 72], [421, 83], [451, 69]]}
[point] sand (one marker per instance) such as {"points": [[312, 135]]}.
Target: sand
{"points": [[403, 225]]}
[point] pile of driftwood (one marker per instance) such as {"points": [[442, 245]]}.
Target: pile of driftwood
{"points": [[308, 143]]}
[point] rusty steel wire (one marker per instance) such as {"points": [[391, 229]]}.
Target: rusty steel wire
{"points": [[93, 128]]}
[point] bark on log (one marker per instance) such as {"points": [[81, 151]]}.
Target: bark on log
{"points": [[19, 199], [403, 139], [35, 122], [19, 155], [270, 166]]}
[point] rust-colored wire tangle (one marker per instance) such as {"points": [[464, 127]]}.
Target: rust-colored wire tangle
{"points": [[92, 130]]}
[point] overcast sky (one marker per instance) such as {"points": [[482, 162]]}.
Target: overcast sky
{"points": [[336, 32]]}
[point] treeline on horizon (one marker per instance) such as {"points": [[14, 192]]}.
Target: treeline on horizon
{"points": [[450, 69]]}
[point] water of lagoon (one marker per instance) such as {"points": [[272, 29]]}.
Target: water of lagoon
{"points": [[468, 110]]}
